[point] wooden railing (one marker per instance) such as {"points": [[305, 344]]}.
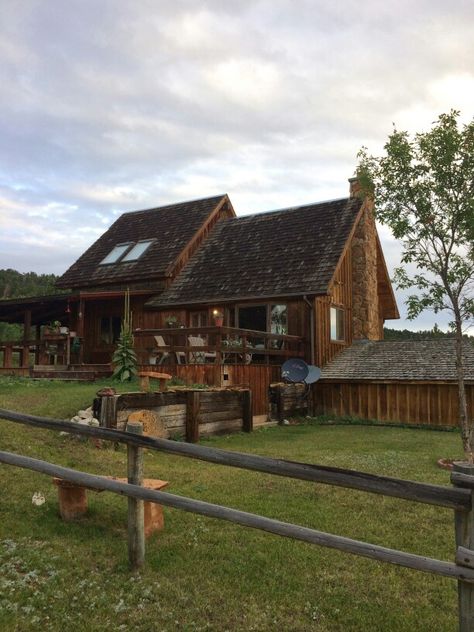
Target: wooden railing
{"points": [[19, 353], [220, 345], [459, 498]]}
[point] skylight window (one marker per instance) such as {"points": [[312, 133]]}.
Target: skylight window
{"points": [[137, 250], [115, 254]]}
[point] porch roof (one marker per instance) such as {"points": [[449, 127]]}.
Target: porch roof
{"points": [[43, 308], [292, 251]]}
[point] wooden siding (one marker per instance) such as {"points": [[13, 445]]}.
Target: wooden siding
{"points": [[422, 403], [257, 378], [340, 295]]}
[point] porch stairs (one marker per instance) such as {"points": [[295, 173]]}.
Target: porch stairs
{"points": [[73, 372]]}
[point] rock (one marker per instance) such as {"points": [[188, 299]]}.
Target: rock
{"points": [[94, 422], [63, 434], [83, 414], [76, 419]]}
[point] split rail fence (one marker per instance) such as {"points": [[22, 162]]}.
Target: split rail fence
{"points": [[459, 498]]}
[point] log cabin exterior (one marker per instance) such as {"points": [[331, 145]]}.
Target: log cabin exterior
{"points": [[307, 281]]}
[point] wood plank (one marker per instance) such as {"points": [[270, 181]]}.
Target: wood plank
{"points": [[410, 490], [192, 416], [409, 560]]}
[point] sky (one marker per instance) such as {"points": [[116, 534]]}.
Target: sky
{"points": [[109, 106]]}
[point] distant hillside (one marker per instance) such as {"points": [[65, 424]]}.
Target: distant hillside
{"points": [[406, 334], [14, 284]]}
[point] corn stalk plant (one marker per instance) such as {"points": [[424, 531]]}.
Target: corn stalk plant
{"points": [[124, 359]]}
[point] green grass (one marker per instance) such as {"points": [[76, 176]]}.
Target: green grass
{"points": [[204, 574]]}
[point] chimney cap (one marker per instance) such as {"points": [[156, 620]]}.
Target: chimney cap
{"points": [[354, 187]]}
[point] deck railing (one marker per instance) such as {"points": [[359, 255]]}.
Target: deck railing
{"points": [[215, 345], [458, 498], [23, 353]]}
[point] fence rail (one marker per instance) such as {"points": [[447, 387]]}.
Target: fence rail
{"points": [[458, 498], [398, 488]]}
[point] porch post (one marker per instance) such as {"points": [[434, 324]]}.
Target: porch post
{"points": [[38, 344], [80, 328], [25, 353]]}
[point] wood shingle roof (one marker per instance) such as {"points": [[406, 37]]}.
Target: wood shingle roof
{"points": [[279, 253], [410, 360], [171, 227]]}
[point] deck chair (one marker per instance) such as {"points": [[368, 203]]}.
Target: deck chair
{"points": [[163, 355], [199, 357]]}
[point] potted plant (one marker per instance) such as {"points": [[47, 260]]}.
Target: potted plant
{"points": [[52, 327], [218, 317], [172, 321]]}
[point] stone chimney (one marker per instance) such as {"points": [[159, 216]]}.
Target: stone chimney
{"points": [[365, 300], [355, 190]]}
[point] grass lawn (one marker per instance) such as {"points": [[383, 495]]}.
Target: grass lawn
{"points": [[204, 574]]}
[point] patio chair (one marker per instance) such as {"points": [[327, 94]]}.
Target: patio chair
{"points": [[163, 355], [199, 357]]}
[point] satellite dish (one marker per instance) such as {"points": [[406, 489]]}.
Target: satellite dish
{"points": [[314, 373], [294, 370]]}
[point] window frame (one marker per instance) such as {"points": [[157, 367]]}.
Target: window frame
{"points": [[123, 258], [128, 248], [340, 323]]}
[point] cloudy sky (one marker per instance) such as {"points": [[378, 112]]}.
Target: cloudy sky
{"points": [[115, 105]]}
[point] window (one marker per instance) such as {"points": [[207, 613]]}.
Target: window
{"points": [[337, 323], [127, 252], [137, 250], [198, 319], [115, 254], [109, 329], [278, 319]]}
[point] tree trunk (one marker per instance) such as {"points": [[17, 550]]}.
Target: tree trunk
{"points": [[464, 423]]}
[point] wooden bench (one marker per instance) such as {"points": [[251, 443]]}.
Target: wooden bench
{"points": [[145, 380], [73, 502]]}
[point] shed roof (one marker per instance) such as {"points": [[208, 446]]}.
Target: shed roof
{"points": [[278, 253], [171, 227], [407, 360]]}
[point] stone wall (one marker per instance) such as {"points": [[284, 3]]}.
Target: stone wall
{"points": [[365, 300]]}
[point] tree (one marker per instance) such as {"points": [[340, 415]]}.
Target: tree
{"points": [[423, 190]]}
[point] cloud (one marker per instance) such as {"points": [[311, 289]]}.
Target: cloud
{"points": [[112, 106]]}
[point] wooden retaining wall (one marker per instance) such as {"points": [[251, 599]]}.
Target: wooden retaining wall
{"points": [[256, 377], [189, 412], [421, 403]]}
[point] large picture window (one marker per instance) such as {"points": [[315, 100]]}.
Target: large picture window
{"points": [[337, 324], [271, 318]]}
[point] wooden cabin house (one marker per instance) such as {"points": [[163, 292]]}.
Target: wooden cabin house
{"points": [[216, 297]]}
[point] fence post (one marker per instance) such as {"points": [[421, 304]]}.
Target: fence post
{"points": [[108, 411], [192, 416], [464, 531], [136, 524], [247, 411]]}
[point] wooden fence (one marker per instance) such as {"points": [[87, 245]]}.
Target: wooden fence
{"points": [[421, 403], [459, 498]]}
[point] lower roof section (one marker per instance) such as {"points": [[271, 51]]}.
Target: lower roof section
{"points": [[417, 360]]}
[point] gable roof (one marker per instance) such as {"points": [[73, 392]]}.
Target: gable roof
{"points": [[279, 253], [428, 360], [171, 227]]}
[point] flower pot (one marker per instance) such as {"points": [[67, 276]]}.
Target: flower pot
{"points": [[64, 330], [219, 321]]}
